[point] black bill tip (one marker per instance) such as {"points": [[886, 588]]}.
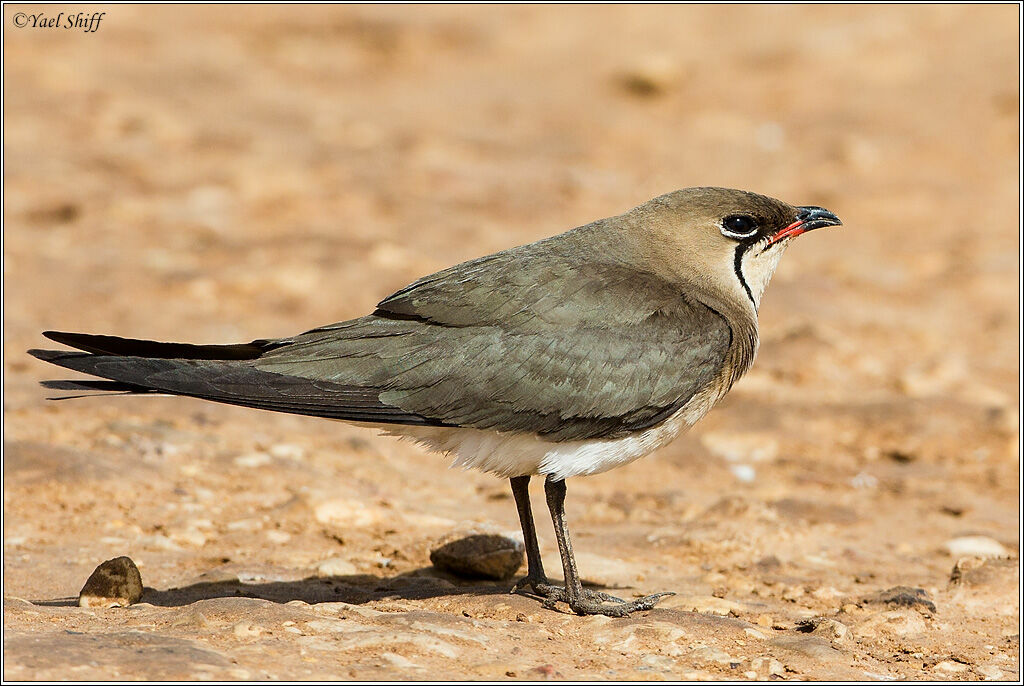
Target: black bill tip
{"points": [[813, 217]]}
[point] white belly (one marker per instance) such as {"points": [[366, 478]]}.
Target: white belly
{"points": [[510, 454]]}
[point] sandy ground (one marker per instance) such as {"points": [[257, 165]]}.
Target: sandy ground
{"points": [[223, 174]]}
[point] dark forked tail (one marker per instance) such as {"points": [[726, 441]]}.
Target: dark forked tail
{"points": [[116, 346], [221, 373]]}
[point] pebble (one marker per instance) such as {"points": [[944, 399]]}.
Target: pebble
{"points": [[949, 667], [826, 627], [115, 583], [490, 556], [977, 546], [903, 596]]}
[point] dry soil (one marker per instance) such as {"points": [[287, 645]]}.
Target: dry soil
{"points": [[219, 174]]}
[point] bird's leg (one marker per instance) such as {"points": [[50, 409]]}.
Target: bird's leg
{"points": [[535, 577], [580, 601]]}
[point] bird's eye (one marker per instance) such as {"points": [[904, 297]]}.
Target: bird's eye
{"points": [[739, 226]]}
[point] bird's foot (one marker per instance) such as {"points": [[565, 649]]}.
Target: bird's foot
{"points": [[589, 602], [552, 594], [619, 608]]}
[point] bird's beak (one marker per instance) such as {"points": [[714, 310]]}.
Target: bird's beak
{"points": [[807, 219]]}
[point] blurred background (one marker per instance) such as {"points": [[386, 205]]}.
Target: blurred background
{"points": [[218, 174]]}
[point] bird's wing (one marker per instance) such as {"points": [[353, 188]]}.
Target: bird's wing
{"points": [[530, 340]]}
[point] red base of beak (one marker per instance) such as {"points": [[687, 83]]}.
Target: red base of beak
{"points": [[794, 229]]}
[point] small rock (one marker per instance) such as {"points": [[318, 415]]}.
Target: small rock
{"points": [[115, 583], [950, 667], [976, 546], [490, 556], [903, 596], [830, 629], [336, 566]]}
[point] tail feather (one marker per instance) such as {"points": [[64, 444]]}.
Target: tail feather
{"points": [[230, 380], [92, 385], [115, 345]]}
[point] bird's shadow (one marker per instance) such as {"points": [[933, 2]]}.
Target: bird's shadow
{"points": [[354, 589]]}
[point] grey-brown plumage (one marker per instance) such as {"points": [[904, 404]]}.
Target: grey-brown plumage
{"points": [[567, 356]]}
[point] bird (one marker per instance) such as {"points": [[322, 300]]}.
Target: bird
{"points": [[565, 357]]}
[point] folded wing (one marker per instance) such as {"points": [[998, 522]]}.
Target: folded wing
{"points": [[534, 339]]}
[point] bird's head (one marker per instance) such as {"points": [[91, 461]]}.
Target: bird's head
{"points": [[724, 240]]}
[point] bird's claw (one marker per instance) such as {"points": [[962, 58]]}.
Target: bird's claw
{"points": [[589, 602], [620, 609], [553, 594]]}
